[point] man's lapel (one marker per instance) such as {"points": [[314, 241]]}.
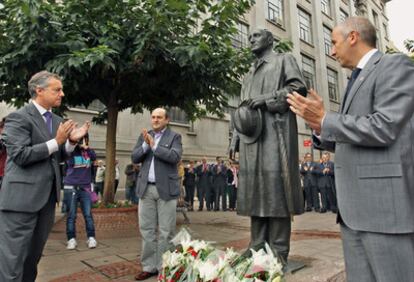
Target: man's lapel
{"points": [[38, 120], [366, 71]]}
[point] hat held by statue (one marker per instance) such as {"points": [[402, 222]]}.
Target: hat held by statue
{"points": [[248, 123]]}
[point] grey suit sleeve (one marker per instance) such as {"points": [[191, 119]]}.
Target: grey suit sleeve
{"points": [[17, 136], [170, 154], [138, 154], [393, 106]]}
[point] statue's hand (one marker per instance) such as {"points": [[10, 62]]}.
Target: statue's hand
{"points": [[258, 102]]}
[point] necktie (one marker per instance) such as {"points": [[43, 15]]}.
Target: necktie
{"points": [[48, 116], [351, 81]]}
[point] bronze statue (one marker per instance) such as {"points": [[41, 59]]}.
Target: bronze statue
{"points": [[266, 137]]}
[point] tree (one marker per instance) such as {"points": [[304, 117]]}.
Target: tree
{"points": [[136, 54]]}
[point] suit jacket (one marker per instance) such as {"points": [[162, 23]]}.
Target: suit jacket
{"points": [[166, 157], [374, 149], [203, 177], [309, 176], [325, 179], [31, 172]]}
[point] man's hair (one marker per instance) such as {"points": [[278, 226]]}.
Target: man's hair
{"points": [[167, 116], [40, 79], [363, 26]]}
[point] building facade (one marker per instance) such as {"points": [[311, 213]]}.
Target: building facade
{"points": [[308, 24]]}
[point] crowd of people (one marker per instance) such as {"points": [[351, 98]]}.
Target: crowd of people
{"points": [[318, 182]]}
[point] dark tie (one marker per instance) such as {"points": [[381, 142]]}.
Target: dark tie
{"points": [[48, 116], [351, 81]]}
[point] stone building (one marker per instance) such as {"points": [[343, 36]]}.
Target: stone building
{"points": [[308, 24]]}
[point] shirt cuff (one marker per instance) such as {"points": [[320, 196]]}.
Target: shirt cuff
{"points": [[145, 147], [52, 146], [320, 133], [69, 147]]}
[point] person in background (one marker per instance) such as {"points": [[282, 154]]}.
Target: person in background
{"points": [[3, 153], [99, 178], [116, 176], [189, 184], [78, 180], [232, 183], [203, 184], [308, 170], [131, 172]]}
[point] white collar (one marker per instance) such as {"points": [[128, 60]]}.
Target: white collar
{"points": [[39, 108], [364, 60]]}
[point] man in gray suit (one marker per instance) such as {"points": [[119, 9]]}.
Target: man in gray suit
{"points": [[374, 162], [159, 150], [36, 142]]}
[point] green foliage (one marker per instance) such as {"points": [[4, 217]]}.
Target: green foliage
{"points": [[136, 54]]}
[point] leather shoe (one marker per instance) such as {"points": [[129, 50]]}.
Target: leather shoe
{"points": [[143, 275]]}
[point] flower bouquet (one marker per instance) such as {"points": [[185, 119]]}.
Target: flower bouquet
{"points": [[198, 261]]}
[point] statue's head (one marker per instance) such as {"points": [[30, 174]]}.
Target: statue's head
{"points": [[260, 41]]}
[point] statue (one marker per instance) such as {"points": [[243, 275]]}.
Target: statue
{"points": [[266, 137]]}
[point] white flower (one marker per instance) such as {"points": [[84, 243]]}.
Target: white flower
{"points": [[171, 260]]}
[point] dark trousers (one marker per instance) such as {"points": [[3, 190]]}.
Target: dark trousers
{"points": [[219, 192], [209, 197], [327, 198], [273, 230], [98, 188], [201, 195], [309, 196], [189, 195], [232, 196], [23, 236], [315, 197]]}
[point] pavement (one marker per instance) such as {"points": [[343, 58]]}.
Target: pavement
{"points": [[315, 242]]}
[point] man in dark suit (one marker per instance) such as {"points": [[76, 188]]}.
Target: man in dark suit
{"points": [[159, 150], [219, 183], [36, 142], [325, 171], [374, 164], [308, 171], [203, 185], [189, 184]]}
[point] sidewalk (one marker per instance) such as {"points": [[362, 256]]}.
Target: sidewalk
{"points": [[315, 242]]}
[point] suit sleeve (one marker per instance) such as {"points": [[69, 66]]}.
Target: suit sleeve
{"points": [[17, 137], [293, 81], [138, 154], [393, 106], [170, 154]]}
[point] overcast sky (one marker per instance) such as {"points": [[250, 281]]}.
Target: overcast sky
{"points": [[401, 21]]}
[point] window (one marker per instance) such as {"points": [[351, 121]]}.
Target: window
{"points": [[275, 11], [377, 26], [326, 7], [342, 15], [385, 27], [308, 71], [177, 115], [241, 39], [333, 85], [305, 30], [327, 40]]}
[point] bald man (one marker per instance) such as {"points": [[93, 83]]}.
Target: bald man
{"points": [[374, 163], [159, 150]]}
